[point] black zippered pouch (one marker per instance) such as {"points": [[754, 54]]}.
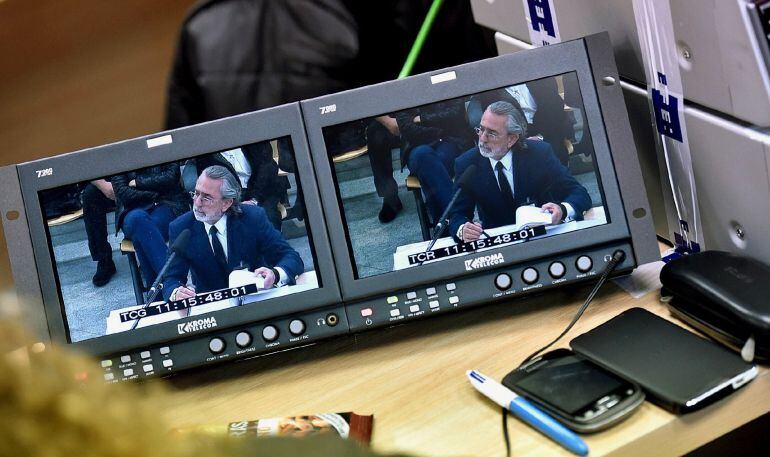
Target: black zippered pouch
{"points": [[725, 296]]}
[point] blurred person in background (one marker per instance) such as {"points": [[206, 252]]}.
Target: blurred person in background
{"points": [[235, 56]]}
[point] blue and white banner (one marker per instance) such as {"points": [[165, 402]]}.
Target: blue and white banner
{"points": [[541, 18], [661, 63]]}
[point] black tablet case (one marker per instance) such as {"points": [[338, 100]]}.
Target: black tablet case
{"points": [[723, 295], [672, 365]]}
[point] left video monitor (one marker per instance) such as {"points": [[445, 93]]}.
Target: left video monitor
{"points": [[232, 203]]}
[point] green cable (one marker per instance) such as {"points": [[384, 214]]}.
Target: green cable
{"points": [[420, 40]]}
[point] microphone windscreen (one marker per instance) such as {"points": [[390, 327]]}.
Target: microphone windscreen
{"points": [[180, 243], [467, 176]]}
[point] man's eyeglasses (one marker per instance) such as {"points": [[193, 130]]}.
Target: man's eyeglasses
{"points": [[205, 198], [491, 134]]}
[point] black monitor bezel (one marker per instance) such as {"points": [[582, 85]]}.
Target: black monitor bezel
{"points": [[219, 135], [600, 101]]}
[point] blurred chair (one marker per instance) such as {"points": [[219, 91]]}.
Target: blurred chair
{"points": [[64, 218], [413, 186], [127, 249]]}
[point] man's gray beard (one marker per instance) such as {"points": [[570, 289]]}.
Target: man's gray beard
{"points": [[488, 153], [204, 218]]}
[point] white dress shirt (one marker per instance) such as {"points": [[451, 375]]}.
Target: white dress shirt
{"points": [[241, 166], [522, 95]]}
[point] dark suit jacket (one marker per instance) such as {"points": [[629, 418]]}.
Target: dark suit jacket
{"points": [[251, 241], [538, 178]]}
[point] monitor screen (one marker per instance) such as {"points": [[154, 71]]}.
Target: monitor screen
{"points": [[106, 262], [467, 174]]}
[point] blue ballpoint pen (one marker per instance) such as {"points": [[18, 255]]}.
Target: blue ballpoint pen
{"points": [[527, 412]]}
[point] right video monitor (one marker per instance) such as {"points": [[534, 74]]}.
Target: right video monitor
{"points": [[493, 168], [499, 165], [479, 182]]}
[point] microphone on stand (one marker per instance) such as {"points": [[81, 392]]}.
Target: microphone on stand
{"points": [[177, 247], [443, 222]]}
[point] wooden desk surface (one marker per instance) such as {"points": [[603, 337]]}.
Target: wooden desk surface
{"points": [[412, 378]]}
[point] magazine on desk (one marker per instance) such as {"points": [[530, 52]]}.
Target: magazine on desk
{"points": [[346, 425]]}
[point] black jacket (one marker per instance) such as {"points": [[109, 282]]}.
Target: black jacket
{"points": [[444, 121], [154, 186], [235, 56]]}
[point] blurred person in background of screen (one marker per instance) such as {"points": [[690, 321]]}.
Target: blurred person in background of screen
{"points": [[270, 53]]}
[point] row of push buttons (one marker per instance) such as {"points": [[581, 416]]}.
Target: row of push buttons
{"points": [[244, 339], [412, 308], [430, 291], [393, 299], [147, 368], [556, 269], [144, 355]]}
